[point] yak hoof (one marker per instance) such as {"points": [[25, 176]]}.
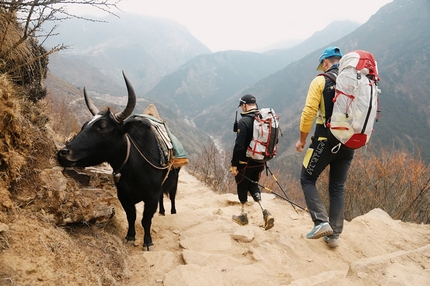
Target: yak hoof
{"points": [[130, 242], [149, 247]]}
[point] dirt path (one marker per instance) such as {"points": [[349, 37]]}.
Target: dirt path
{"points": [[201, 245]]}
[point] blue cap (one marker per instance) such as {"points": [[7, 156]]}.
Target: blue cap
{"points": [[329, 52]]}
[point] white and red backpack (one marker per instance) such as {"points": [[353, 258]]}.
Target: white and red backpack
{"points": [[265, 135], [356, 104]]}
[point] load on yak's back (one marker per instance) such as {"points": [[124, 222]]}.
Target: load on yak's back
{"points": [[169, 145], [356, 103]]}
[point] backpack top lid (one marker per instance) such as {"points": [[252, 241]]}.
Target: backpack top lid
{"points": [[362, 61]]}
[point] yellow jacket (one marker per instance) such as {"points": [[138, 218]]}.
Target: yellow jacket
{"points": [[314, 106]]}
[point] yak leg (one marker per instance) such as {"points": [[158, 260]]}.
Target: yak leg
{"points": [[161, 210], [173, 188], [172, 196], [130, 211], [148, 212], [171, 185]]}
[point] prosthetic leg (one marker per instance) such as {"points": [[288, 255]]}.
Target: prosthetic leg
{"points": [[242, 219], [269, 220]]}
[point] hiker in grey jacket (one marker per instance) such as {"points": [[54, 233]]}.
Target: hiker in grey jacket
{"points": [[245, 169]]}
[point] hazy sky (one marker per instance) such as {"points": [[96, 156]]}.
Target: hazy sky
{"points": [[251, 24]]}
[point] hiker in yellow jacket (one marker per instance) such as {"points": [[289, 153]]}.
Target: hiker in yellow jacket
{"points": [[322, 152]]}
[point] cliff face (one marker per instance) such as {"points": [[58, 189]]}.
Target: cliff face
{"points": [[25, 145], [30, 181]]}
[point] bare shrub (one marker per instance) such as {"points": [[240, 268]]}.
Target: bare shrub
{"points": [[63, 120], [286, 186], [210, 168], [396, 182], [22, 55], [25, 61]]}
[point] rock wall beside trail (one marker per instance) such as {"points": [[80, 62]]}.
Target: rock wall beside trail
{"points": [[29, 175], [77, 197]]}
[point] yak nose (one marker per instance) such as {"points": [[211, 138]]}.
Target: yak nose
{"points": [[63, 152], [64, 157]]}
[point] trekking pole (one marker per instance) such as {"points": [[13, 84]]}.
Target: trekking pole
{"points": [[270, 191], [279, 185]]}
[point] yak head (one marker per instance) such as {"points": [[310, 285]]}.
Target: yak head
{"points": [[100, 138]]}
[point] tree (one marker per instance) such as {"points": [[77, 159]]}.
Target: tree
{"points": [[22, 55], [32, 14]]}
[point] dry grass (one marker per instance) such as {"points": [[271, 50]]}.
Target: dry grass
{"points": [[25, 146], [34, 250], [76, 255], [63, 120], [25, 62]]}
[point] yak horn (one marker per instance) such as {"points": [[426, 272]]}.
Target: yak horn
{"points": [[131, 103], [93, 109]]}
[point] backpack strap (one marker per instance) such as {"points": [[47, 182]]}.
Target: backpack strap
{"points": [[329, 92], [330, 75]]}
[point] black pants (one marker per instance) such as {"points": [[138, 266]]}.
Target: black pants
{"points": [[318, 157], [253, 172]]}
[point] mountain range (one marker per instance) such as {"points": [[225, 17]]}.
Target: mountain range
{"points": [[147, 48], [203, 88]]}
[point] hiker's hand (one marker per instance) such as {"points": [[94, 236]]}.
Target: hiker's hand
{"points": [[234, 171], [300, 145]]}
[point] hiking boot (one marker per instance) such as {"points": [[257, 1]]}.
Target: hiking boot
{"points": [[320, 230], [240, 219], [269, 220], [332, 242]]}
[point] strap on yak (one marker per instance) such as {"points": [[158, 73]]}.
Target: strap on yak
{"points": [[168, 166], [171, 150], [117, 174]]}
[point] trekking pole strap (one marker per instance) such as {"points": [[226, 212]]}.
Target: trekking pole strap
{"points": [[270, 191], [276, 180]]}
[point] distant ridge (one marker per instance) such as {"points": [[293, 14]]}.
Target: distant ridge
{"points": [[207, 80], [403, 64], [147, 48]]}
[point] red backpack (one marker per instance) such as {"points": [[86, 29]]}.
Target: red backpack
{"points": [[356, 104]]}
